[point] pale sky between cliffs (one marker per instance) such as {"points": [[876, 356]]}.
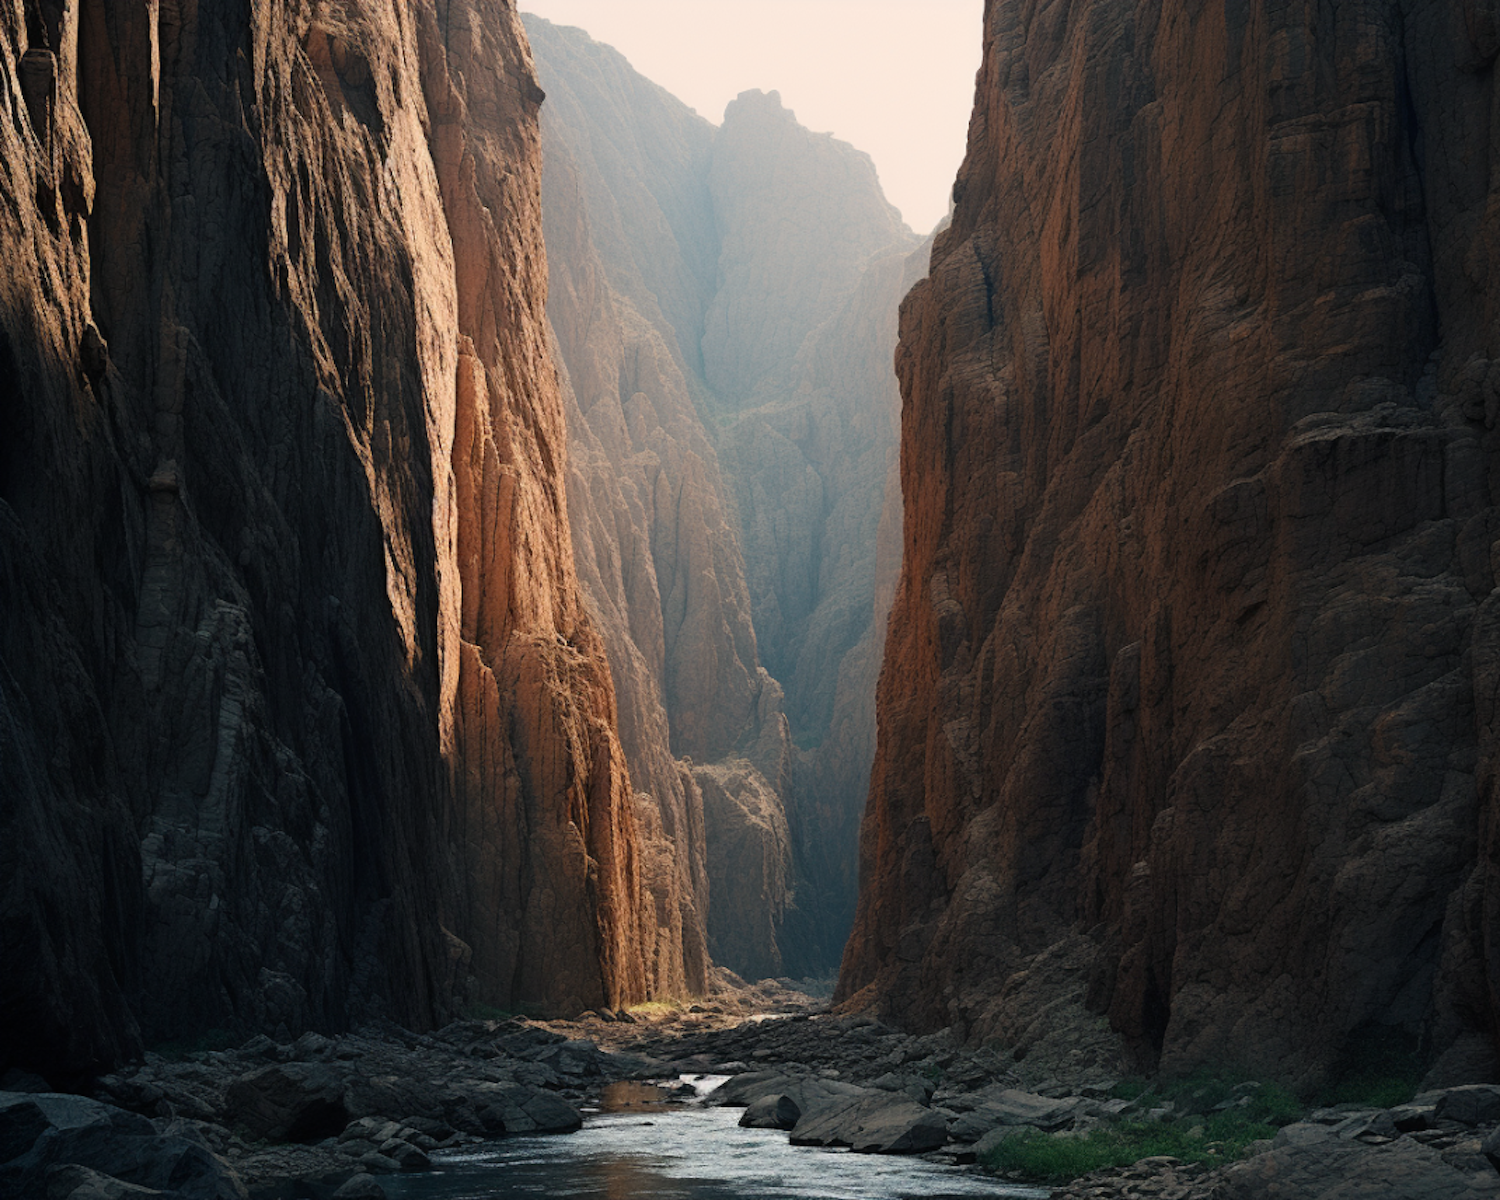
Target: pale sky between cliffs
{"points": [[893, 77]]}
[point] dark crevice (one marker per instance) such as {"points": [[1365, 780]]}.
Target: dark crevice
{"points": [[15, 434]]}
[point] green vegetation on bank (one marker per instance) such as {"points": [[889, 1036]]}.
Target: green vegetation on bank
{"points": [[1211, 1119], [1214, 1117]]}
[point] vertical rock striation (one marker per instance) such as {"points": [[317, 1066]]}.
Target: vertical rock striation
{"points": [[1187, 707], [301, 716], [724, 302]]}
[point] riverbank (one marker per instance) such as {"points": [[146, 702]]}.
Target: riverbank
{"points": [[335, 1116]]}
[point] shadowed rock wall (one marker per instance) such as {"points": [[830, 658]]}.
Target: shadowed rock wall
{"points": [[1187, 711], [301, 717], [724, 302]]}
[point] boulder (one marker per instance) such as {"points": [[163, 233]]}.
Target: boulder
{"points": [[405, 1155], [360, 1187], [1475, 1104], [877, 1123], [772, 1112], [289, 1102], [998, 1106], [1302, 1134], [808, 1092], [71, 1131], [499, 1109], [1412, 1118]]}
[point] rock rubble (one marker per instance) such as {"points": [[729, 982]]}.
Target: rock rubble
{"points": [[344, 1112]]}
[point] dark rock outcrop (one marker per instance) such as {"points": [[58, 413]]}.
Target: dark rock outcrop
{"points": [[56, 1145], [1187, 714], [301, 715], [724, 307]]}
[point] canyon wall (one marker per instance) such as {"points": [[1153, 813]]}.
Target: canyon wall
{"points": [[302, 718], [1188, 715], [724, 301]]}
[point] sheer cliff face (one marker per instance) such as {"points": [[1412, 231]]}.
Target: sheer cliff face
{"points": [[724, 303], [1188, 702], [300, 715]]}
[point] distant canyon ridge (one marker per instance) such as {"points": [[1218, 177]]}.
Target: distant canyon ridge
{"points": [[456, 505]]}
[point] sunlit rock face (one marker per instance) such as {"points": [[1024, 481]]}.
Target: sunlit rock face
{"points": [[301, 716], [1188, 709], [725, 305]]}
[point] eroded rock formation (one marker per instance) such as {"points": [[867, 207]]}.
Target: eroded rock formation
{"points": [[301, 716], [1188, 709], [724, 302]]}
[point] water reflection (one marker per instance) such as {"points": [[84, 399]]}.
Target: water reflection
{"points": [[634, 1097], [673, 1152]]}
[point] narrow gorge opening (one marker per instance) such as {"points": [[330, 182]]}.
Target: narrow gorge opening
{"points": [[555, 580], [723, 294]]}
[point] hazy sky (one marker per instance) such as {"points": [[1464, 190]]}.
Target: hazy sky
{"points": [[894, 77]]}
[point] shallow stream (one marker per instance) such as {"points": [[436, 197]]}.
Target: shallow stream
{"points": [[639, 1147]]}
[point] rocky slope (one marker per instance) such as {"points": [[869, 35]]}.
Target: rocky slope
{"points": [[301, 715], [724, 304], [1188, 703]]}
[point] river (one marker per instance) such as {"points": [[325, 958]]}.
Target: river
{"points": [[639, 1147]]}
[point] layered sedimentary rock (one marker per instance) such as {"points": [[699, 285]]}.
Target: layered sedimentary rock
{"points": [[301, 716], [1188, 707], [724, 302]]}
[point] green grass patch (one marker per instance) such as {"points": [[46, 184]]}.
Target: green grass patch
{"points": [[1057, 1158], [1216, 1117]]}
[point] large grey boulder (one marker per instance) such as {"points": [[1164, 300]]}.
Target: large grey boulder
{"points": [[808, 1092], [877, 1123], [1007, 1108], [1476, 1104], [40, 1133], [501, 1109]]}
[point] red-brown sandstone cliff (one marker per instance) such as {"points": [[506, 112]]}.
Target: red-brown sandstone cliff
{"points": [[301, 717], [1188, 706]]}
